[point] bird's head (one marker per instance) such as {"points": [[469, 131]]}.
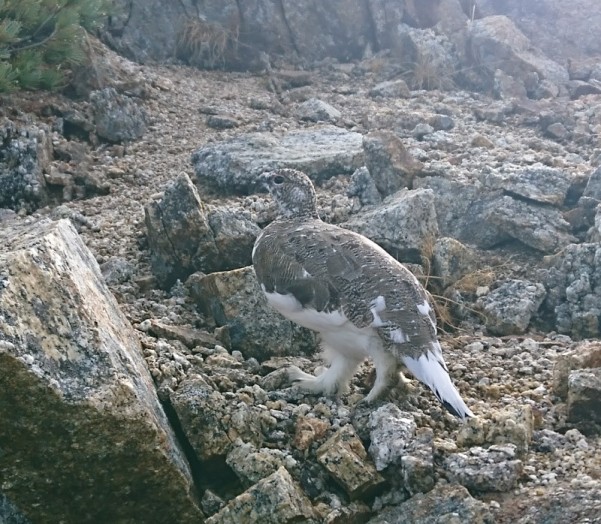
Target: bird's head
{"points": [[293, 192]]}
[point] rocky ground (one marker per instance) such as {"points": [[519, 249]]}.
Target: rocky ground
{"points": [[521, 458]]}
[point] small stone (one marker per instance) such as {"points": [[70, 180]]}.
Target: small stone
{"points": [[510, 306], [391, 430], [556, 130], [391, 89], [274, 499], [446, 503], [346, 460], [492, 469], [222, 122], [308, 430], [584, 395], [316, 110]]}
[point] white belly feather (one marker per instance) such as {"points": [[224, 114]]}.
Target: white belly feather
{"points": [[336, 330]]}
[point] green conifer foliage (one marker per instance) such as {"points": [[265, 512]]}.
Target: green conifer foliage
{"points": [[41, 39]]}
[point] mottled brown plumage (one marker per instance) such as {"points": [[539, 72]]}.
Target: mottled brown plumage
{"points": [[362, 301]]}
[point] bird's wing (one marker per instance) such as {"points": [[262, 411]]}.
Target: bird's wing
{"points": [[327, 267]]}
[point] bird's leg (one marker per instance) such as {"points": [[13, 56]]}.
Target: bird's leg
{"points": [[387, 374], [334, 379]]}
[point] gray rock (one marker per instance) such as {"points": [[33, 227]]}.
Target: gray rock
{"points": [[492, 469], [556, 130], [430, 57], [593, 186], [362, 185], [211, 503], [391, 166], [573, 284], [441, 122], [201, 410], [538, 183], [222, 121], [26, 156], [108, 69], [547, 441], [232, 166], [579, 89], [118, 118], [276, 499], [508, 88], [539, 227], [315, 110], [391, 89], [346, 460], [543, 22], [74, 387], [584, 395], [499, 44], [510, 307], [451, 261], [387, 16], [209, 420], [180, 238], [512, 425], [445, 503], [421, 130], [117, 270], [234, 236], [390, 431], [402, 225], [461, 210], [251, 464], [417, 463], [234, 299], [585, 355]]}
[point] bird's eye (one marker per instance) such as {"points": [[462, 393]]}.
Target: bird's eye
{"points": [[278, 179]]}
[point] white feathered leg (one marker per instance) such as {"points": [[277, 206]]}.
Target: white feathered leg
{"points": [[334, 379]]}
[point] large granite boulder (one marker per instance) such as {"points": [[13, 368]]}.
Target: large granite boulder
{"points": [[232, 166], [84, 437], [495, 42]]}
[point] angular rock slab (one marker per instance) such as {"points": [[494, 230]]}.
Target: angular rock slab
{"points": [[499, 44], [184, 236], [346, 460], [510, 307], [585, 355], [445, 503], [276, 499], [539, 183], [234, 299], [84, 438], [491, 469], [573, 284], [232, 166], [542, 228], [402, 225], [584, 395], [26, 154]]}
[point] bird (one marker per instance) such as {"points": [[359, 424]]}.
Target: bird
{"points": [[362, 302]]}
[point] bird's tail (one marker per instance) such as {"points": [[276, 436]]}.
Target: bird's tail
{"points": [[431, 369]]}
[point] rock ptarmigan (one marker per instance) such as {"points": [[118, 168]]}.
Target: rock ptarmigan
{"points": [[361, 301]]}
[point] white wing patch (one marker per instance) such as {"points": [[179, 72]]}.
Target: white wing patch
{"points": [[398, 337], [293, 310], [376, 306]]}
